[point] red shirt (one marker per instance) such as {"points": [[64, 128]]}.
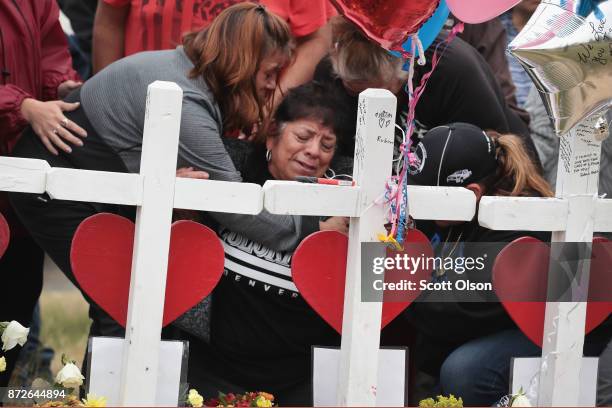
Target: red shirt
{"points": [[304, 16], [160, 24]]}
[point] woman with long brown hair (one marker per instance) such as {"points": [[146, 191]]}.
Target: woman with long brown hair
{"points": [[228, 74], [465, 343]]}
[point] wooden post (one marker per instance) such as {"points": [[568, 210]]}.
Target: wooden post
{"points": [[577, 181], [151, 245], [361, 320]]}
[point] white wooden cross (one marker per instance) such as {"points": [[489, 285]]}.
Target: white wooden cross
{"points": [[372, 167], [572, 216], [156, 191]]}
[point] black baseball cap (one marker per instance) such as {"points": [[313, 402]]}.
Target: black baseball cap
{"points": [[453, 155]]}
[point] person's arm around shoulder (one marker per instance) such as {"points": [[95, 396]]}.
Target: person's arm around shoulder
{"points": [[109, 32], [309, 52], [309, 22]]}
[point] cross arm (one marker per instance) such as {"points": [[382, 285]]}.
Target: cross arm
{"points": [[536, 214], [523, 213], [603, 215], [94, 186], [126, 189], [36, 176], [23, 175], [441, 203], [290, 197], [218, 196]]}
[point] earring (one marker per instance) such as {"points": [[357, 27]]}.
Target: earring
{"points": [[268, 155]]}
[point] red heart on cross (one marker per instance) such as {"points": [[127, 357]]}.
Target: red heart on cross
{"points": [[101, 259], [520, 271], [318, 269], [5, 235]]}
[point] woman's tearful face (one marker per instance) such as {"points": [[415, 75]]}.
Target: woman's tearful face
{"points": [[304, 147]]}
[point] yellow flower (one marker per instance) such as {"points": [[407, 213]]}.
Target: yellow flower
{"points": [[262, 402], [2, 364], [427, 403], [195, 399], [94, 401], [267, 395]]}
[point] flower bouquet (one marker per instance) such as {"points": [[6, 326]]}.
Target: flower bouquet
{"points": [[249, 399], [442, 402]]}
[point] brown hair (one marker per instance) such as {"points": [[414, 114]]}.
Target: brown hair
{"points": [[227, 55], [516, 174], [354, 57]]}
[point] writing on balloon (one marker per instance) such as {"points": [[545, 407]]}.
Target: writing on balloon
{"points": [[600, 32], [601, 49], [588, 53]]}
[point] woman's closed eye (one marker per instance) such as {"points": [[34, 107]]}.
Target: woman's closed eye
{"points": [[304, 135], [328, 145]]}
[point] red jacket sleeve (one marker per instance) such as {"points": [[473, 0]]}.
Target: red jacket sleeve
{"points": [[11, 121], [56, 63]]}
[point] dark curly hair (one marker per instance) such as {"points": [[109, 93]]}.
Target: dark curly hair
{"points": [[315, 101]]}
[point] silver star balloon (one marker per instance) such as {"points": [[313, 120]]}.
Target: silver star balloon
{"points": [[569, 58]]}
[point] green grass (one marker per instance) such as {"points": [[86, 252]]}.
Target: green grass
{"points": [[65, 325]]}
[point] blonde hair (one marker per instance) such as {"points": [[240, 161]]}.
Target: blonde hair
{"points": [[228, 54], [356, 58], [516, 175]]}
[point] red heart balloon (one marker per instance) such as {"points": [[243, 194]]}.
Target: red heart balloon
{"points": [[388, 22], [101, 259], [318, 269], [518, 274], [5, 235]]}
